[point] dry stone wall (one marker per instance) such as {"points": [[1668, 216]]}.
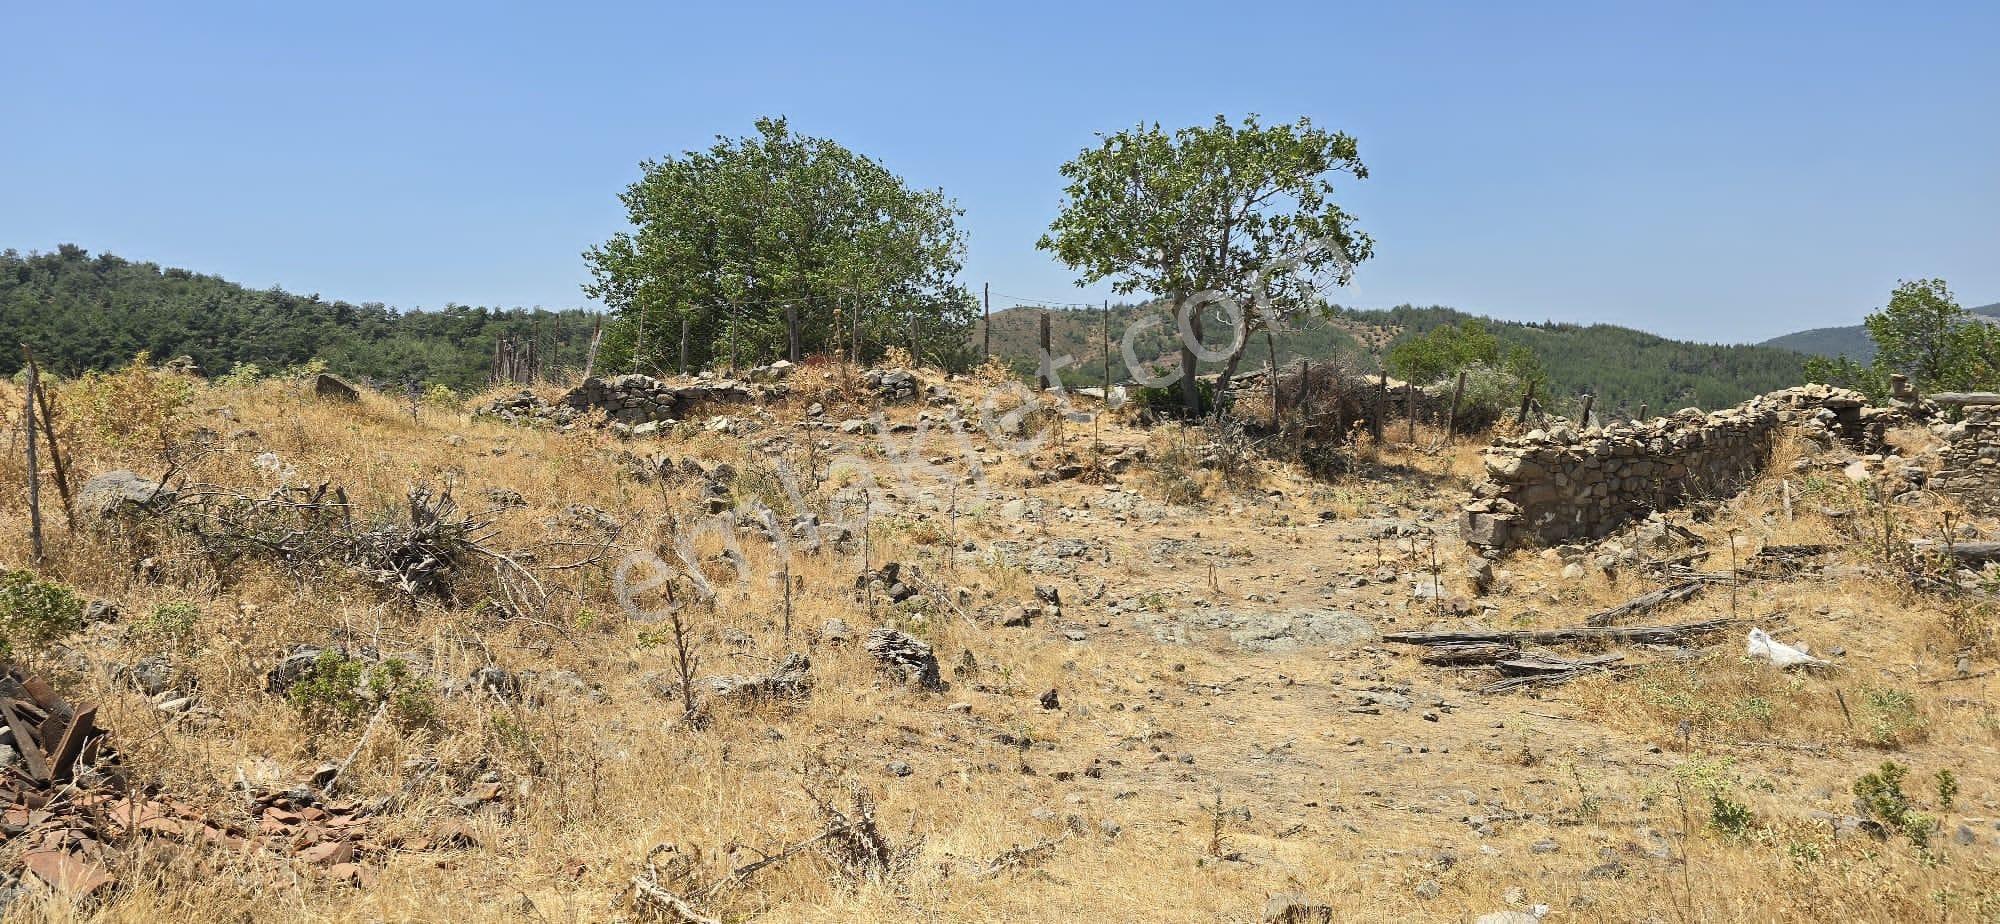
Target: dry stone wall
{"points": [[1566, 484], [1971, 459]]}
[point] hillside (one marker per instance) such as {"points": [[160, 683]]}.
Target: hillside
{"points": [[963, 691], [83, 312], [1851, 341], [1624, 368]]}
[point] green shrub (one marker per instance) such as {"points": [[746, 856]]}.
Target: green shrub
{"points": [[35, 612], [341, 687], [1881, 794], [171, 626]]}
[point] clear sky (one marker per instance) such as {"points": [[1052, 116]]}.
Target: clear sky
{"points": [[1723, 172]]}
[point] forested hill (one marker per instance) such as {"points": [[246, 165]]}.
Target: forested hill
{"points": [[81, 311], [1851, 341], [1624, 368]]}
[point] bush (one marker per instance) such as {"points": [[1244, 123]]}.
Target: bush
{"points": [[1881, 794], [171, 626], [34, 612], [342, 687]]}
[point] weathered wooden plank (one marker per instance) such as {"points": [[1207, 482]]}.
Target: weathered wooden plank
{"points": [[1650, 634], [1645, 603], [1969, 552]]}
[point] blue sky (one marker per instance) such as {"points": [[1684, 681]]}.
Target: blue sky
{"points": [[1708, 171]]}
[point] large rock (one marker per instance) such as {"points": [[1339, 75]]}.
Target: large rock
{"points": [[792, 680], [121, 493], [328, 385], [908, 658]]}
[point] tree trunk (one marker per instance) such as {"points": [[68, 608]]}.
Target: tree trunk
{"points": [[1190, 389]]}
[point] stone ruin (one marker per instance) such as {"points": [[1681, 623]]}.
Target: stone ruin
{"points": [[1971, 457], [639, 405], [1564, 484]]}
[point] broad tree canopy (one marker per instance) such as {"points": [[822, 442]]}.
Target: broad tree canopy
{"points": [[777, 245], [1237, 212]]}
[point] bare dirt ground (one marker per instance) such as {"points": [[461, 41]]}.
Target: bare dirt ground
{"points": [[1226, 726]]}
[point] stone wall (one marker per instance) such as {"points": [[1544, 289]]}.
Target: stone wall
{"points": [[1971, 460], [1566, 484]]}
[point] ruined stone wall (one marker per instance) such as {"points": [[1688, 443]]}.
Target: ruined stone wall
{"points": [[1971, 460], [1567, 485]]}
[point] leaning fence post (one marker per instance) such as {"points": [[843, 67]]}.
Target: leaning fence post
{"points": [[1451, 419], [1588, 400], [34, 482], [1527, 398]]}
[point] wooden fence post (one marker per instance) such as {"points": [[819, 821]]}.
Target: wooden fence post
{"points": [[1588, 400], [1042, 371], [1451, 419], [34, 481], [1410, 408], [1527, 398]]}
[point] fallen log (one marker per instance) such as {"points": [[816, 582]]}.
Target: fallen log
{"points": [[1539, 666], [1646, 603], [1972, 553], [1656, 635]]}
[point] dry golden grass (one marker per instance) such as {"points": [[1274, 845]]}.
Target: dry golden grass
{"points": [[1365, 812]]}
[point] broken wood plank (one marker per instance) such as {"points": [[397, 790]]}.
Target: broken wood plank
{"points": [[24, 741], [63, 759], [1646, 603], [1468, 654], [1536, 664], [1659, 635]]}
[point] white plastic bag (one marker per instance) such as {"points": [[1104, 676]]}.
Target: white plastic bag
{"points": [[1763, 647]]}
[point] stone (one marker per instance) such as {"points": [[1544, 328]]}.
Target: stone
{"points": [[1429, 889], [332, 387], [117, 494], [907, 658], [792, 680]]}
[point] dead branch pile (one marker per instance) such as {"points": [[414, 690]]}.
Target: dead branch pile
{"points": [[421, 552]]}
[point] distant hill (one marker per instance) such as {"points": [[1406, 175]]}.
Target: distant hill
{"points": [[1851, 342], [83, 312], [1624, 368]]}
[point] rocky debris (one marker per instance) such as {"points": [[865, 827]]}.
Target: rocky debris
{"points": [[331, 387], [1259, 630], [495, 680], [908, 658], [525, 407], [888, 581], [1560, 484], [506, 498], [637, 399], [792, 680], [835, 631], [1294, 908], [117, 494], [297, 665], [892, 384]]}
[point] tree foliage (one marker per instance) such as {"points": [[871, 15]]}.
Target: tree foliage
{"points": [[777, 245], [1215, 213], [82, 312], [1924, 335], [1444, 350]]}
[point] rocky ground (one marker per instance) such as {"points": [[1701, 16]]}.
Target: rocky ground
{"points": [[973, 661]]}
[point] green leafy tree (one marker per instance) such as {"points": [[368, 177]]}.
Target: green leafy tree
{"points": [[1213, 213], [1442, 351], [1924, 334], [777, 245]]}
